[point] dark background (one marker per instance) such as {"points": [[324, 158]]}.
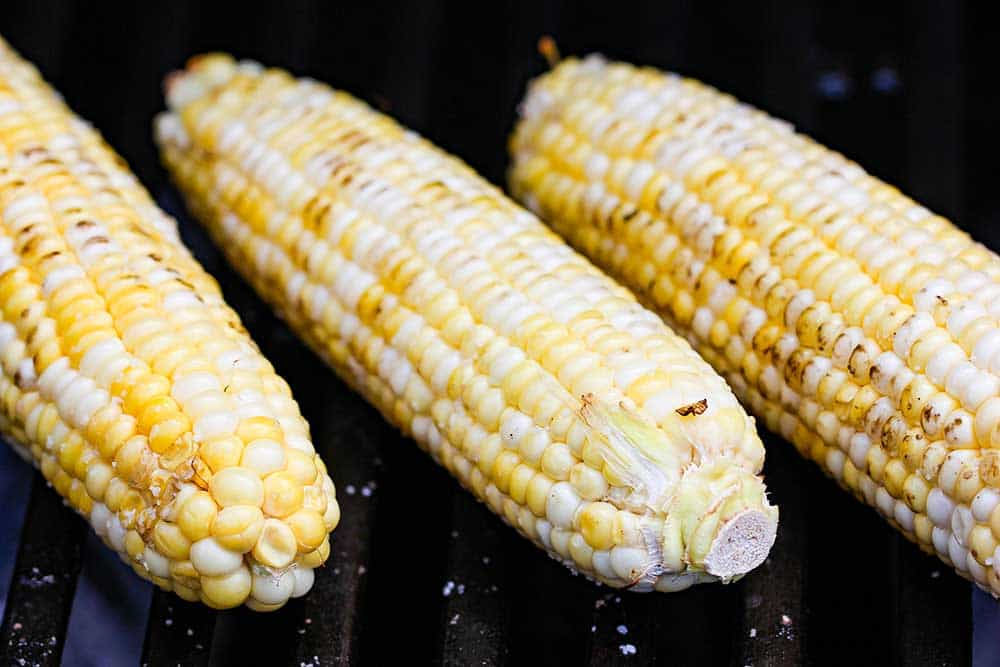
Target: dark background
{"points": [[907, 89]]}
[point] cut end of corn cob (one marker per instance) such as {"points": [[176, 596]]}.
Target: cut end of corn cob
{"points": [[554, 397], [720, 509], [851, 320], [131, 385]]}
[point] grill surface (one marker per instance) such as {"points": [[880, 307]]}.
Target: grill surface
{"points": [[905, 88]]}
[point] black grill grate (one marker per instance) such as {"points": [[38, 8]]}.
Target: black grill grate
{"points": [[417, 565]]}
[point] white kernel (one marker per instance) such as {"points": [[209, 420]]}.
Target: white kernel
{"points": [[984, 503], [940, 508], [911, 330], [962, 522], [944, 360], [514, 426], [272, 587], [116, 534], [60, 275], [904, 516], [940, 537], [99, 515], [860, 443], [212, 559], [263, 456], [155, 562], [629, 563], [304, 577], [957, 553], [215, 425], [562, 504]]}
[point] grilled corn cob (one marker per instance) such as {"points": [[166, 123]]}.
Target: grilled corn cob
{"points": [[575, 414], [131, 385], [853, 321]]}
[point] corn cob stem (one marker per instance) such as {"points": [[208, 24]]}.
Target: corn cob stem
{"points": [[855, 322], [131, 385], [538, 382]]}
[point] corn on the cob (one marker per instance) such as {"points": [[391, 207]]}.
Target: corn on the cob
{"points": [[575, 414], [131, 385], [853, 321]]}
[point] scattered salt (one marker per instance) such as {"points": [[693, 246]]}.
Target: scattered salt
{"points": [[627, 649], [622, 630], [753, 632]]}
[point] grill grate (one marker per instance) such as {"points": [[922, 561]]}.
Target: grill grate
{"points": [[480, 595], [852, 589]]}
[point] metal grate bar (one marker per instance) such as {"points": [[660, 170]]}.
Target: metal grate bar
{"points": [[773, 620], [178, 632], [349, 434], [474, 621], [44, 579]]}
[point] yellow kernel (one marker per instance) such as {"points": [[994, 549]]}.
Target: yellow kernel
{"points": [[258, 428], [134, 545], [196, 515], [228, 590], [159, 409], [520, 477], [505, 463], [982, 544], [238, 527], [277, 545], [597, 524], [163, 434], [170, 541], [134, 461], [222, 452], [317, 557], [309, 529], [237, 486], [538, 494], [98, 477], [300, 465], [144, 391], [332, 515], [115, 436], [282, 494]]}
